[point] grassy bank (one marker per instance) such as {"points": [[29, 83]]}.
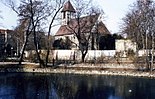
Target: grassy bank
{"points": [[88, 69]]}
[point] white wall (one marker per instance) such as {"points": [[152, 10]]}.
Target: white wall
{"points": [[71, 54], [72, 37], [124, 45], [144, 52], [91, 55]]}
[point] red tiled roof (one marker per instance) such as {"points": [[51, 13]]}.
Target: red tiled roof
{"points": [[68, 7], [63, 30], [2, 31], [102, 29], [85, 24]]}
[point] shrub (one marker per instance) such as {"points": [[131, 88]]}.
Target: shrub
{"points": [[131, 54], [33, 56]]}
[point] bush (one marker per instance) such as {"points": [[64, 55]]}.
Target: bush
{"points": [[33, 56], [101, 59], [131, 54]]}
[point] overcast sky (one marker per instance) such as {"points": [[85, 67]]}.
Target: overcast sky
{"points": [[114, 10]]}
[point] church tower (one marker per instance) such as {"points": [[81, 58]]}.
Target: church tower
{"points": [[67, 12]]}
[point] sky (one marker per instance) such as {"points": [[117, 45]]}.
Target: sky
{"points": [[114, 11]]}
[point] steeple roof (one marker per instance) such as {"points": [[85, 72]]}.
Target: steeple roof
{"points": [[68, 7]]}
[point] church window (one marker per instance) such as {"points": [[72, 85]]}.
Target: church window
{"points": [[64, 15]]}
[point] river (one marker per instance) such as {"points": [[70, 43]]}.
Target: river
{"points": [[70, 86]]}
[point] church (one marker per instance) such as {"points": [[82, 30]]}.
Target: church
{"points": [[90, 25]]}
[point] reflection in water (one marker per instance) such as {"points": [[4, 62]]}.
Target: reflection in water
{"points": [[69, 86]]}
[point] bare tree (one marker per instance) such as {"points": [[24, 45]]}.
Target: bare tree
{"points": [[82, 25], [152, 32], [22, 31], [139, 26], [31, 14], [24, 24], [20, 35], [37, 14], [56, 6]]}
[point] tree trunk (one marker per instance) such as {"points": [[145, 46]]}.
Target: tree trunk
{"points": [[83, 48], [23, 49], [137, 50], [48, 51], [152, 53], [92, 42], [49, 31], [84, 52], [83, 57], [41, 62]]}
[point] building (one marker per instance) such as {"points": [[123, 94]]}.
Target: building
{"points": [[11, 42], [89, 25], [3, 39], [7, 45], [125, 46]]}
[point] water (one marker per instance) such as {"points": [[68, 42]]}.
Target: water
{"points": [[69, 86]]}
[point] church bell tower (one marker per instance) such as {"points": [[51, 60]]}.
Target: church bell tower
{"points": [[67, 12]]}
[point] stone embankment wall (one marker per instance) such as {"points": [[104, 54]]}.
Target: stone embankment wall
{"points": [[86, 72], [130, 70], [108, 66]]}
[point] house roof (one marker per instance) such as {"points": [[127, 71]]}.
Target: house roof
{"points": [[85, 24], [102, 28], [3, 31], [68, 7]]}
